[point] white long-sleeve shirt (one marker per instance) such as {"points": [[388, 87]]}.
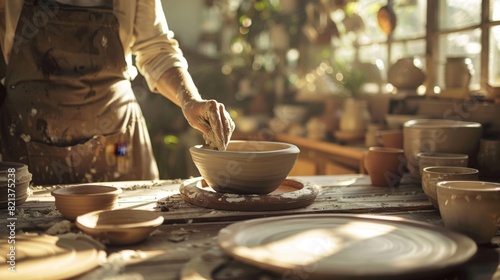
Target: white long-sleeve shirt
{"points": [[143, 32]]}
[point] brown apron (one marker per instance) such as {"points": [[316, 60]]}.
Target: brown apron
{"points": [[70, 112]]}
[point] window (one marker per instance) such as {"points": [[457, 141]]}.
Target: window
{"points": [[432, 31]]}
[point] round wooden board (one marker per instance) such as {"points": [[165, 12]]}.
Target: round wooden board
{"points": [[291, 194]]}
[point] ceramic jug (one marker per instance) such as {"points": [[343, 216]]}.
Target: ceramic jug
{"points": [[457, 72]]}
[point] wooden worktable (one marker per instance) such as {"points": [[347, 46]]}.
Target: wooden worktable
{"points": [[190, 231]]}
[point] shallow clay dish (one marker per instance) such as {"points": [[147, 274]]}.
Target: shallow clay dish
{"points": [[50, 257], [246, 167], [77, 200], [290, 194], [119, 227], [342, 246]]}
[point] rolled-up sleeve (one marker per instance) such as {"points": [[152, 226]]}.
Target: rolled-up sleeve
{"points": [[153, 44]]}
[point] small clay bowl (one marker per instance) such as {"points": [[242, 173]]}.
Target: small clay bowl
{"points": [[246, 167], [441, 159], [81, 199], [470, 207], [119, 227]]}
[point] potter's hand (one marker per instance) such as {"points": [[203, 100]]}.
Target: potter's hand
{"points": [[211, 118]]}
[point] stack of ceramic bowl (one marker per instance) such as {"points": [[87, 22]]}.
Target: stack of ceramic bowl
{"points": [[14, 182], [440, 136]]}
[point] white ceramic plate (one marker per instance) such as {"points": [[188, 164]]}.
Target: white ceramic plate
{"points": [[347, 246], [49, 257]]}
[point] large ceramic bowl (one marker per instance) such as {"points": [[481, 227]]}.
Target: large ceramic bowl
{"points": [[440, 136], [119, 227], [246, 167], [471, 208], [81, 199], [15, 180]]}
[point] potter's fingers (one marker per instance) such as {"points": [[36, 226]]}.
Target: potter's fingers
{"points": [[227, 124], [215, 120]]}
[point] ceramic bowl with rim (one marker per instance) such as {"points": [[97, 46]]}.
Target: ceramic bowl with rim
{"points": [[440, 136], [471, 208], [441, 159], [121, 226], [246, 167], [15, 180], [80, 199], [432, 175]]}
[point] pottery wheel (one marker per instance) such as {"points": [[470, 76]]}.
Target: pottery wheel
{"points": [[214, 264], [290, 194]]}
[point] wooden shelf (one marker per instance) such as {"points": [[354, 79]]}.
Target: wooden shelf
{"points": [[324, 158]]}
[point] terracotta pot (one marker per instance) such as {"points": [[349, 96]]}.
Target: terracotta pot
{"points": [[391, 138], [385, 165]]}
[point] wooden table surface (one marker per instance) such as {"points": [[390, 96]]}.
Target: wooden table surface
{"points": [[187, 239]]}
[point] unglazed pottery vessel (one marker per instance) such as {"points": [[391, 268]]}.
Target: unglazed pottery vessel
{"points": [[440, 136], [356, 116], [78, 200], [471, 208], [246, 167], [15, 180], [119, 227], [391, 138], [488, 158], [432, 175], [457, 72], [385, 166], [441, 159], [404, 74]]}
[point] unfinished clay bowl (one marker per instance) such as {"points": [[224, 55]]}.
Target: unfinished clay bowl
{"points": [[246, 167], [432, 175], [15, 180], [471, 208], [119, 227], [440, 136], [81, 199]]}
